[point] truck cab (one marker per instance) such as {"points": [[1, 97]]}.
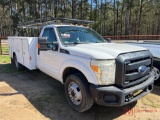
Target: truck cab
{"points": [[91, 69]]}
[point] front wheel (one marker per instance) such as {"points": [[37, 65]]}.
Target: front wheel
{"points": [[77, 92], [156, 73]]}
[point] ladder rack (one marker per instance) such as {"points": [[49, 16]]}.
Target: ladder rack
{"points": [[38, 23]]}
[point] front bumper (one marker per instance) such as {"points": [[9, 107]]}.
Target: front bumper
{"points": [[114, 96]]}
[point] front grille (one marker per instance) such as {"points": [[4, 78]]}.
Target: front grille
{"points": [[131, 70], [127, 66]]}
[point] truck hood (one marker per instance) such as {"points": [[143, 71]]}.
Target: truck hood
{"points": [[102, 50]]}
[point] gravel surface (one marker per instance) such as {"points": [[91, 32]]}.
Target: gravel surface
{"points": [[33, 95]]}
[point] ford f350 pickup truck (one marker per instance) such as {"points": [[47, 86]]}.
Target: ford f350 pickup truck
{"points": [[92, 70]]}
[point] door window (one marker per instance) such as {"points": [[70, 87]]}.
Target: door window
{"points": [[50, 34]]}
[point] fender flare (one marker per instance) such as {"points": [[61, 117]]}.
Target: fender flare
{"points": [[87, 71]]}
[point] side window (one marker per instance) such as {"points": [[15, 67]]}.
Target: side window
{"points": [[50, 34]]}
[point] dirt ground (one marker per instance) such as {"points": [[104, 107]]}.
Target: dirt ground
{"points": [[32, 95]]}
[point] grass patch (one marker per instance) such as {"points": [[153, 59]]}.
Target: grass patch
{"points": [[10, 69], [148, 101], [153, 103], [42, 101], [44, 98], [144, 101], [5, 59], [7, 68], [5, 49]]}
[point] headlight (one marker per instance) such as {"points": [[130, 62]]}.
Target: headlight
{"points": [[104, 71]]}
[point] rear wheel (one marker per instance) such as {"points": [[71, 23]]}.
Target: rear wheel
{"points": [[12, 61], [17, 65], [77, 92]]}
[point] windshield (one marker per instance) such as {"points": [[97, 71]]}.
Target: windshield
{"points": [[78, 35]]}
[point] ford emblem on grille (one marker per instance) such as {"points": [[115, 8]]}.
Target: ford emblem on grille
{"points": [[142, 69]]}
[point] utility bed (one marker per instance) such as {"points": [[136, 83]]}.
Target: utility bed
{"points": [[25, 50]]}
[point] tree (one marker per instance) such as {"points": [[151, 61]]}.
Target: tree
{"points": [[112, 17], [74, 8], [127, 18]]}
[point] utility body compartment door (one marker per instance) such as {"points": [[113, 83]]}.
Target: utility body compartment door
{"points": [[19, 53], [26, 56]]}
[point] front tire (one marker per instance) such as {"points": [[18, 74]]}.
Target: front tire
{"points": [[157, 73], [77, 92]]}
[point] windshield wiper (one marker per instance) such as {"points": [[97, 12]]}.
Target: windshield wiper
{"points": [[76, 43], [99, 42], [73, 31], [79, 43]]}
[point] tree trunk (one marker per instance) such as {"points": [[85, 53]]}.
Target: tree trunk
{"points": [[91, 10], [122, 17], [127, 18], [130, 20], [114, 17], [73, 9], [95, 15], [64, 11], [81, 7], [140, 15], [158, 27], [24, 13], [117, 19], [55, 8]]}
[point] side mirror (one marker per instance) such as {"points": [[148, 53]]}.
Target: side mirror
{"points": [[109, 40], [42, 39], [45, 45]]}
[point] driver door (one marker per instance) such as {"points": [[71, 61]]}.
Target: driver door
{"points": [[49, 58]]}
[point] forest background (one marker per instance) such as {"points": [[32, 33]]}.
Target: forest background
{"points": [[111, 17]]}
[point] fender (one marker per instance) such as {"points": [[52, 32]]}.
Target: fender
{"points": [[87, 71]]}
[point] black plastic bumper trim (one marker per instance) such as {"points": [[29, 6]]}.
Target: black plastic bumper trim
{"points": [[98, 93]]}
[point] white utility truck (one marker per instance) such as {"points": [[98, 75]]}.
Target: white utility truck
{"points": [[92, 69]]}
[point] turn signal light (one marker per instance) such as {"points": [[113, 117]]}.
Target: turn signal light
{"points": [[94, 68], [38, 45]]}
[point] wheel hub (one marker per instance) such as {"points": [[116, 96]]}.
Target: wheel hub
{"points": [[156, 73], [75, 93]]}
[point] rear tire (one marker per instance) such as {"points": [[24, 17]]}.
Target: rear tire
{"points": [[17, 65], [77, 92], [12, 61]]}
